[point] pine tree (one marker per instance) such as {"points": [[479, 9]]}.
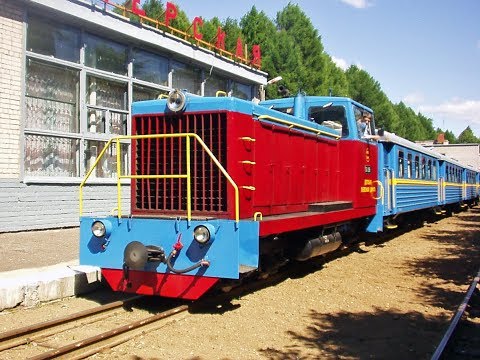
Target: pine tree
{"points": [[467, 137]]}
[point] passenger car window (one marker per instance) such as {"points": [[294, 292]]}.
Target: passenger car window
{"points": [[409, 166], [401, 167]]}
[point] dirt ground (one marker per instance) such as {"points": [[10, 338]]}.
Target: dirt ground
{"points": [[390, 299]]}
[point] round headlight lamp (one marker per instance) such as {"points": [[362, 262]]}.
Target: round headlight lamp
{"points": [[101, 229], [176, 100], [204, 233]]}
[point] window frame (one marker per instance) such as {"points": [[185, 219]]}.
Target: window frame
{"points": [[82, 135], [401, 165]]}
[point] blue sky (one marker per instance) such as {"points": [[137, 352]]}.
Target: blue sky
{"points": [[425, 53]]}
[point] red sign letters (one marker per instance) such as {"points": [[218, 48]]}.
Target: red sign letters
{"points": [[171, 13]]}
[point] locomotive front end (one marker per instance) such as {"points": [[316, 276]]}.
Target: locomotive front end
{"points": [[184, 230]]}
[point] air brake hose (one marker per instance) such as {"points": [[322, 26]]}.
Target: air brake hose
{"points": [[190, 268]]}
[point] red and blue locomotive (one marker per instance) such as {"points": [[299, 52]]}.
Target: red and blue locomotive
{"points": [[222, 188]]}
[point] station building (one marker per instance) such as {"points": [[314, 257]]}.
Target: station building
{"points": [[69, 72], [466, 154]]}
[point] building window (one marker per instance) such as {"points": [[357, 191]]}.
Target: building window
{"points": [[141, 93], [242, 91], [107, 104], [107, 166], [51, 156], [213, 84], [51, 99], [150, 67], [58, 41], [105, 55], [186, 78], [78, 91], [51, 94]]}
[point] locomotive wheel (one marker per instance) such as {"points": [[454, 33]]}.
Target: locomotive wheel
{"points": [[135, 255]]}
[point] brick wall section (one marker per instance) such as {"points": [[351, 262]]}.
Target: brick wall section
{"points": [[11, 73]]}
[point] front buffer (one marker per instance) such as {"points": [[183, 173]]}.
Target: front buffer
{"points": [[164, 257]]}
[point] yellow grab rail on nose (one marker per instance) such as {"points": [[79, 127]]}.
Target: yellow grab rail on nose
{"points": [[187, 176]]}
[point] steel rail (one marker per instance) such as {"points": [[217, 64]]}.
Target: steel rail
{"points": [[29, 329], [108, 334], [456, 318]]}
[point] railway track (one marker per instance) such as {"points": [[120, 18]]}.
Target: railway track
{"points": [[52, 339], [45, 340], [462, 338]]}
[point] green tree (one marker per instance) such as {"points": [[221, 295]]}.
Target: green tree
{"points": [[209, 29], [450, 136], [154, 9], [335, 78], [307, 44], [258, 29], [366, 90], [427, 125], [467, 137], [233, 31], [128, 6]]}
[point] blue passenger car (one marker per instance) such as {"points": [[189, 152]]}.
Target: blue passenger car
{"points": [[409, 176]]}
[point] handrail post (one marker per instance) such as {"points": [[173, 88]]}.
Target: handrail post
{"points": [[82, 184], [189, 181], [119, 178]]}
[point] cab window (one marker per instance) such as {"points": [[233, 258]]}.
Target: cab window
{"points": [[330, 116]]}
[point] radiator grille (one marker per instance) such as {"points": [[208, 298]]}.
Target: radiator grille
{"points": [[167, 156]]}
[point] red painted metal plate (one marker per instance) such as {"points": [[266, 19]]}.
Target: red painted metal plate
{"points": [[167, 285]]}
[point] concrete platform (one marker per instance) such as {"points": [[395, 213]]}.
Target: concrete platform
{"points": [[38, 266], [29, 287]]}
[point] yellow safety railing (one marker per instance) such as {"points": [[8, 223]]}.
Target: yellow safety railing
{"points": [[294, 125], [187, 176]]}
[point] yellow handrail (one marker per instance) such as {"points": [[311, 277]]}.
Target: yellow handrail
{"points": [[187, 176], [294, 125]]}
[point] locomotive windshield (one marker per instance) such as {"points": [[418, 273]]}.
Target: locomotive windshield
{"points": [[330, 116]]}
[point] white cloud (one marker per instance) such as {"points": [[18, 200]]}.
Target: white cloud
{"points": [[344, 64], [454, 114], [358, 4], [414, 98], [341, 63], [457, 108]]}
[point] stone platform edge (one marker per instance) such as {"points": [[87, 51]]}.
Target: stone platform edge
{"points": [[30, 287]]}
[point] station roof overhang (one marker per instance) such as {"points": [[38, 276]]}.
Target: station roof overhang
{"points": [[102, 22]]}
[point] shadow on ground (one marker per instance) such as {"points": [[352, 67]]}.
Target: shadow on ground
{"points": [[376, 335], [346, 335]]}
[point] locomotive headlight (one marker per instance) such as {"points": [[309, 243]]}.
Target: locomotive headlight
{"points": [[204, 233], [101, 229], [176, 100]]}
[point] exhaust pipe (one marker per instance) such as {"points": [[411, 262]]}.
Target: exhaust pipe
{"points": [[319, 246]]}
